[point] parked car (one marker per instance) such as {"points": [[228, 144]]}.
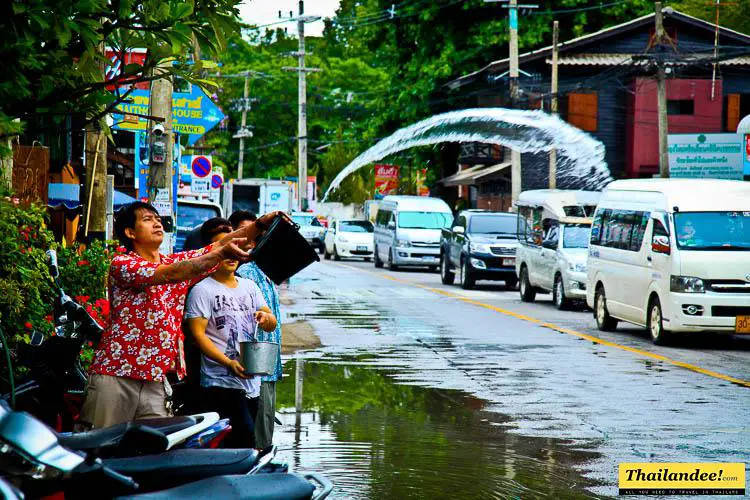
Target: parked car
{"points": [[407, 231], [191, 214], [349, 238], [481, 245], [553, 232], [311, 228], [692, 274]]}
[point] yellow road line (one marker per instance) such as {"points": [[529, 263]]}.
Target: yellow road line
{"points": [[551, 326]]}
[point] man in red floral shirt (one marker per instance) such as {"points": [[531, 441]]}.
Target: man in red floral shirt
{"points": [[144, 340]]}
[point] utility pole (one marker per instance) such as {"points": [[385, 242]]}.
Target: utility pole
{"points": [[95, 155], [661, 95], [553, 103], [161, 143], [515, 155], [717, 4], [244, 132], [302, 100]]}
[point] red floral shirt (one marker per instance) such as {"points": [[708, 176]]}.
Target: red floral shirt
{"points": [[144, 340]]}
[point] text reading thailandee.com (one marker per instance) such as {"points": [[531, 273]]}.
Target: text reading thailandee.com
{"points": [[682, 479]]}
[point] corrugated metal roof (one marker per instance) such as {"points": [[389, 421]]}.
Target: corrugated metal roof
{"points": [[627, 59], [469, 176]]}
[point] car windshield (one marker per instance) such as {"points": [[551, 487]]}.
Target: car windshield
{"points": [[713, 230], [493, 224], [576, 236], [356, 226], [190, 216], [424, 220], [306, 220]]}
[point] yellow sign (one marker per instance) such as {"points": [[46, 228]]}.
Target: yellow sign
{"points": [[682, 479]]}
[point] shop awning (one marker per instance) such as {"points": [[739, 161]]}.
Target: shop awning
{"points": [[470, 176], [69, 196]]}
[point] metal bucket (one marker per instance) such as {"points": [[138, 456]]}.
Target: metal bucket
{"points": [[259, 357]]}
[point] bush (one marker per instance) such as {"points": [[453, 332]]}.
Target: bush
{"points": [[26, 292]]}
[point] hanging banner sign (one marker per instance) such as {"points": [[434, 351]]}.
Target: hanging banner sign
{"points": [[386, 180], [193, 113], [118, 60]]}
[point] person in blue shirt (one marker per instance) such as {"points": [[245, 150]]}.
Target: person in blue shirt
{"points": [[267, 400]]}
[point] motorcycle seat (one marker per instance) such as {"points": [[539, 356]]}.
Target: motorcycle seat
{"points": [[176, 467], [260, 487], [129, 438]]}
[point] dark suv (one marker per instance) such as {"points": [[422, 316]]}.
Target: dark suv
{"points": [[480, 245]]}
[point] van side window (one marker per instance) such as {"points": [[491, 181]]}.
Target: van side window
{"points": [[383, 217], [551, 230], [622, 229], [461, 221], [640, 222], [530, 226], [596, 227], [659, 229]]}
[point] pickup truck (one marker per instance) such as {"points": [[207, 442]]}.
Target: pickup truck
{"points": [[480, 245]]}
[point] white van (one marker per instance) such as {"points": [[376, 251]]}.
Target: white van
{"points": [[408, 229], [672, 256], [553, 235]]}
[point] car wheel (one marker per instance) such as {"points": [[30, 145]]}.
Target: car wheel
{"points": [[367, 259], [446, 275], [604, 321], [376, 258], [528, 293], [336, 255], [391, 265], [558, 294], [467, 278], [511, 283], [659, 335]]}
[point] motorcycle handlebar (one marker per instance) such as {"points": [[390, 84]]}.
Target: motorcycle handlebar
{"points": [[54, 270], [76, 311]]}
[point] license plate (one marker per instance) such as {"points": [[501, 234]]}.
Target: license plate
{"points": [[742, 324], [509, 262], [429, 257], [361, 248]]}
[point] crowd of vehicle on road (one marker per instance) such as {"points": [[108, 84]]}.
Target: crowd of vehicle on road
{"points": [[672, 256]]}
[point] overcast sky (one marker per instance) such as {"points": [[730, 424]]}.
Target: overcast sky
{"points": [[267, 11]]}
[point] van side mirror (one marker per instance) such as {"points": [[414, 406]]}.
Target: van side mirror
{"points": [[660, 244], [391, 225], [549, 244], [459, 230]]}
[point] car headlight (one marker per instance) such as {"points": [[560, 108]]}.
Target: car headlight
{"points": [[686, 284], [342, 239], [577, 267], [479, 248]]}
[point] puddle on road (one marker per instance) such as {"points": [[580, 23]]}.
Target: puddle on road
{"points": [[375, 438]]}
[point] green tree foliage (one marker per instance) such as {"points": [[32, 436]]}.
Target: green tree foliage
{"points": [[51, 50]]}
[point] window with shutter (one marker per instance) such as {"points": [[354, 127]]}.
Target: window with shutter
{"points": [[583, 110]]}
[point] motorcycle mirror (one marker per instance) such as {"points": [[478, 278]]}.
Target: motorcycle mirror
{"points": [[52, 263], [36, 338]]}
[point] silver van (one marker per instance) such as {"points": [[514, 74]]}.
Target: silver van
{"points": [[408, 229]]}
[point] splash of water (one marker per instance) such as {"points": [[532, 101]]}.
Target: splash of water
{"points": [[580, 157]]}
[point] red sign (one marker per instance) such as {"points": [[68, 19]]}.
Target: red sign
{"points": [[118, 61], [386, 180]]}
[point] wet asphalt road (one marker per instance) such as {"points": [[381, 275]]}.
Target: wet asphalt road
{"points": [[626, 399]]}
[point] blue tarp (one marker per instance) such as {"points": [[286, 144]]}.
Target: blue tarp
{"points": [[69, 196]]}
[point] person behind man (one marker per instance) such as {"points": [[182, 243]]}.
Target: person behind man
{"points": [[267, 403], [144, 340], [221, 312]]}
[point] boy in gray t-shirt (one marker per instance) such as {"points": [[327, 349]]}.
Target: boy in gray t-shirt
{"points": [[222, 311]]}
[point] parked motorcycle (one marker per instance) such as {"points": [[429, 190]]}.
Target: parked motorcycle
{"points": [[33, 458]]}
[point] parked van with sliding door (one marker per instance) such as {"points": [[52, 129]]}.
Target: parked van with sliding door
{"points": [[408, 229], [553, 235], [672, 256]]}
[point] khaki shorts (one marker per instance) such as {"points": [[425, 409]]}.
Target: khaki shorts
{"points": [[114, 400]]}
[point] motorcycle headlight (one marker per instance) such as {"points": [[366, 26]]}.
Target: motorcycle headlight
{"points": [[479, 248], [686, 284], [403, 243]]}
